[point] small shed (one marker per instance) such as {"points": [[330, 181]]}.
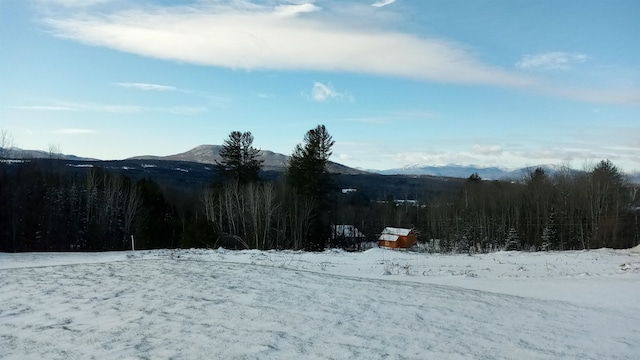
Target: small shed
{"points": [[397, 238]]}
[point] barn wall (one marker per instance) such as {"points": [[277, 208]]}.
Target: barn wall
{"points": [[403, 242], [388, 244], [406, 242]]}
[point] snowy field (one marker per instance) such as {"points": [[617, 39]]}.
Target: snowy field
{"points": [[379, 304]]}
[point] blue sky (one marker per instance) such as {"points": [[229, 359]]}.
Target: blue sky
{"points": [[508, 83]]}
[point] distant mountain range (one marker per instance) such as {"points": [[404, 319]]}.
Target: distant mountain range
{"points": [[486, 173], [17, 153], [210, 154], [462, 171]]}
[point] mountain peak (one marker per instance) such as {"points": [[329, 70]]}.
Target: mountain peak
{"points": [[271, 161]]}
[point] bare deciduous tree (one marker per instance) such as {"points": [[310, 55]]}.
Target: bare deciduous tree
{"points": [[132, 202], [6, 143]]}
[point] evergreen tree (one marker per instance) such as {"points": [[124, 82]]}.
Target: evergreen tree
{"points": [[239, 159], [512, 242], [308, 177], [538, 194], [307, 166], [474, 178], [550, 240], [607, 201]]}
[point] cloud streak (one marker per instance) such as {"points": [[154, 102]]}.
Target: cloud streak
{"points": [[487, 150], [43, 107], [218, 101], [383, 3], [74, 131], [147, 87], [73, 3], [294, 10], [556, 60], [112, 108]]}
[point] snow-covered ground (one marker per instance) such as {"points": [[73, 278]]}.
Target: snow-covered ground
{"points": [[378, 304]]}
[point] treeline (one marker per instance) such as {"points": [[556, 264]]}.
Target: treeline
{"points": [[568, 210], [45, 209]]}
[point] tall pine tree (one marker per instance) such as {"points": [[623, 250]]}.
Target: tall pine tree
{"points": [[512, 242], [239, 159], [308, 177], [550, 240], [307, 172]]}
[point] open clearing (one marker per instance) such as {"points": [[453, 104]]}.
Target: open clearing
{"points": [[378, 304]]}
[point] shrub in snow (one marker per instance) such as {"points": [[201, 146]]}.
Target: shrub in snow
{"points": [[550, 239], [512, 242], [387, 268]]}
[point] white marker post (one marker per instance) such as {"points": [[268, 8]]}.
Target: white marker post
{"points": [[133, 245]]}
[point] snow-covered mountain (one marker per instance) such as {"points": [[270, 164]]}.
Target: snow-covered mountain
{"points": [[487, 173], [457, 171], [464, 171], [210, 154]]}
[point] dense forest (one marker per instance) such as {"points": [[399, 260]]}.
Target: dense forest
{"points": [[50, 208]]}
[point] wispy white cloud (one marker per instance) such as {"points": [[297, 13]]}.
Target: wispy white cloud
{"points": [[293, 10], [380, 154], [216, 100], [505, 157], [487, 150], [395, 117], [147, 87], [602, 96], [436, 158], [112, 108], [262, 95], [383, 3], [322, 92], [73, 3], [369, 120], [415, 115], [180, 110], [43, 107], [75, 131], [245, 35], [556, 60], [97, 107]]}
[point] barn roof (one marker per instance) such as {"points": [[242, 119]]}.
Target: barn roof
{"points": [[388, 237], [396, 231], [393, 234]]}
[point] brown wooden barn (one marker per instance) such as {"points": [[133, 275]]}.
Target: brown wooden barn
{"points": [[397, 238]]}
